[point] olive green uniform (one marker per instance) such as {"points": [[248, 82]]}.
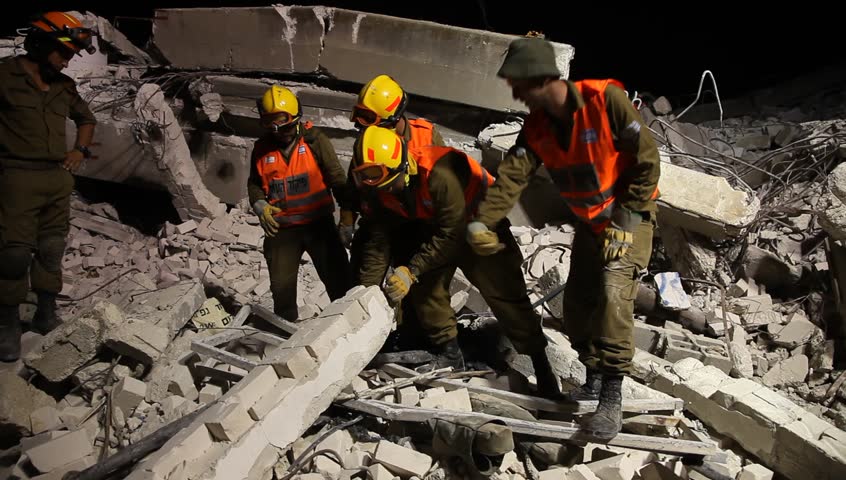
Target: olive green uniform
{"points": [[362, 233], [598, 298], [319, 238], [434, 248], [34, 188]]}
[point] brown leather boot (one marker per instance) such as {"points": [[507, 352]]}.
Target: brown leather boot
{"points": [[10, 333]]}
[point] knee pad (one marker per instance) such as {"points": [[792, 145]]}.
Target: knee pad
{"points": [[14, 262], [50, 252]]}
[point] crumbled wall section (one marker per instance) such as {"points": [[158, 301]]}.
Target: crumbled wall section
{"points": [[785, 436], [274, 404], [163, 135]]}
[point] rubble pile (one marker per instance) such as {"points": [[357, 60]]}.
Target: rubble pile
{"points": [[170, 363]]}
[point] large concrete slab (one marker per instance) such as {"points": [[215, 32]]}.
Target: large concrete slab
{"points": [[428, 59]]}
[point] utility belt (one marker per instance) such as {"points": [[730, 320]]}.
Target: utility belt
{"points": [[29, 164]]}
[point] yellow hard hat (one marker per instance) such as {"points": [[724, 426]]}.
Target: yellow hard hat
{"points": [[381, 102], [383, 157], [279, 106]]}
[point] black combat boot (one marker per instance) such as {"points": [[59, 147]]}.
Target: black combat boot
{"points": [[607, 421], [588, 391], [449, 355], [45, 319], [10, 333], [547, 381]]}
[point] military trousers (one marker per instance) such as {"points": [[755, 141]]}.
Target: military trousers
{"points": [[599, 299], [284, 251], [499, 279], [34, 216]]}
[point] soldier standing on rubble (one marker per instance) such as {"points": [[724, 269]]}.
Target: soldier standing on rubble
{"points": [[36, 178], [294, 166], [606, 166], [421, 200]]}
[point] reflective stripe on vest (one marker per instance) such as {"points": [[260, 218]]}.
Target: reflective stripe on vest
{"points": [[587, 172], [295, 186], [426, 157]]}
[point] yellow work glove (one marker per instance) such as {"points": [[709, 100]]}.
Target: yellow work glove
{"points": [[617, 236], [346, 227], [398, 284], [483, 241], [265, 212]]}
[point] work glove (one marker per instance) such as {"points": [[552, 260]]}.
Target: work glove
{"points": [[483, 241], [265, 212], [398, 284], [617, 236], [346, 227]]}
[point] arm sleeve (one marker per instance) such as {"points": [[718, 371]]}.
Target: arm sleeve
{"points": [[254, 189], [632, 136], [449, 219], [512, 177], [333, 173], [376, 254], [80, 113]]}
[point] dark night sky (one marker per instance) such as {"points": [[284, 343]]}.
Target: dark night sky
{"points": [[662, 50]]}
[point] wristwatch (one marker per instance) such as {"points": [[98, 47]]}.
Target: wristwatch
{"points": [[86, 153]]}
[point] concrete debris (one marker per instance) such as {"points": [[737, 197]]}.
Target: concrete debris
{"points": [[740, 331]]}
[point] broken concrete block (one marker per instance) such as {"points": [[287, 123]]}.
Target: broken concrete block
{"points": [[796, 332], [45, 419], [457, 400], [74, 343], [60, 451], [139, 340], [254, 386], [402, 461], [755, 471], [170, 308], [271, 398], [379, 472], [789, 372], [703, 203], [294, 362], [210, 392], [230, 423], [768, 269], [181, 383], [410, 396], [128, 393], [318, 335]]}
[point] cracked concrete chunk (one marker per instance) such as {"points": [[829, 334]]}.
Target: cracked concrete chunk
{"points": [[703, 203], [75, 342], [788, 372], [190, 196]]}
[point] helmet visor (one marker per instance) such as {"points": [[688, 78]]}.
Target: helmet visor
{"points": [[277, 121], [371, 175], [364, 116]]}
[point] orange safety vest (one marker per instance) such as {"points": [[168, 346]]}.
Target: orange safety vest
{"points": [[587, 172], [422, 132], [426, 158], [295, 186]]}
